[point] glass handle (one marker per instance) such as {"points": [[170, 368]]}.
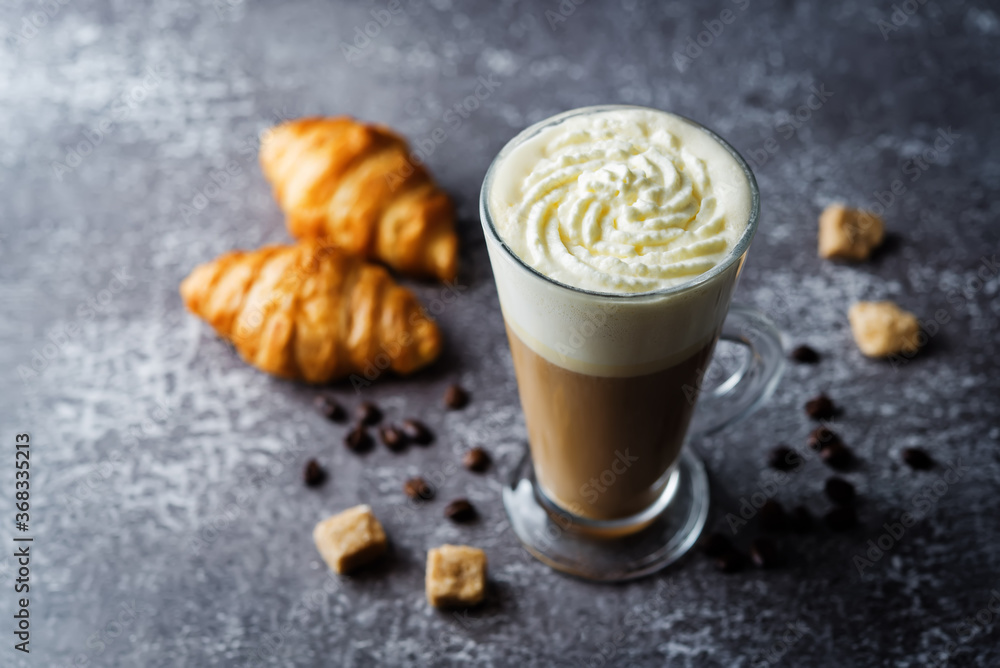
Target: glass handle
{"points": [[752, 384]]}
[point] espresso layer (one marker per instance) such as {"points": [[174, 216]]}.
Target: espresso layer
{"points": [[601, 445]]}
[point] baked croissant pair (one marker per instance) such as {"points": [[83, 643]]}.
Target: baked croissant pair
{"points": [[316, 310]]}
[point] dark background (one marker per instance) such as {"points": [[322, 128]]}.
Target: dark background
{"points": [[171, 527]]}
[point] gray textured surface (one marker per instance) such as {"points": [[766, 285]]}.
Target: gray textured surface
{"points": [[149, 433]]}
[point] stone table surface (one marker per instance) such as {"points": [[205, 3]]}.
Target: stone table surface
{"points": [[171, 526]]}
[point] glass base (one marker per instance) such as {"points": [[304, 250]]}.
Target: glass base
{"points": [[598, 551]]}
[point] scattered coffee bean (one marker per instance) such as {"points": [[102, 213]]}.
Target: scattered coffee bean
{"points": [[805, 355], [772, 516], [330, 408], [783, 458], [917, 458], [476, 460], [460, 510], [368, 413], [716, 545], [418, 489], [800, 520], [842, 518], [455, 397], [837, 455], [840, 491], [393, 437], [820, 408], [764, 552], [358, 439], [313, 475], [417, 431], [820, 437], [731, 561]]}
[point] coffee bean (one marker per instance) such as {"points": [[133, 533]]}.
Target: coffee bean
{"points": [[731, 561], [840, 491], [783, 458], [393, 438], [368, 413], [805, 355], [716, 545], [358, 439], [313, 475], [455, 397], [820, 437], [820, 408], [772, 516], [418, 489], [460, 510], [800, 520], [764, 552], [476, 460], [842, 518], [330, 408], [417, 431], [837, 455], [917, 458]]}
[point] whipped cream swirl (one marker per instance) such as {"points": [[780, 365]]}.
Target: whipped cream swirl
{"points": [[625, 200]]}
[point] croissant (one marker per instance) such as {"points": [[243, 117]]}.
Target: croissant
{"points": [[354, 184], [311, 312]]}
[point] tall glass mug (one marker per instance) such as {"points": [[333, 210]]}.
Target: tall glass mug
{"points": [[610, 381]]}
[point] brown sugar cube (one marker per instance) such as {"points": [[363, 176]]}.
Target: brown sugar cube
{"points": [[350, 539], [882, 328], [456, 576], [848, 234]]}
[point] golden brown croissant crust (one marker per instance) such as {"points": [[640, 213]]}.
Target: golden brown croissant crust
{"points": [[354, 184], [311, 312]]}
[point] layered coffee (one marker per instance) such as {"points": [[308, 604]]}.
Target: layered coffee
{"points": [[616, 268]]}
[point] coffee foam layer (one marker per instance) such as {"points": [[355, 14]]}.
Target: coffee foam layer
{"points": [[599, 336], [605, 334]]}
